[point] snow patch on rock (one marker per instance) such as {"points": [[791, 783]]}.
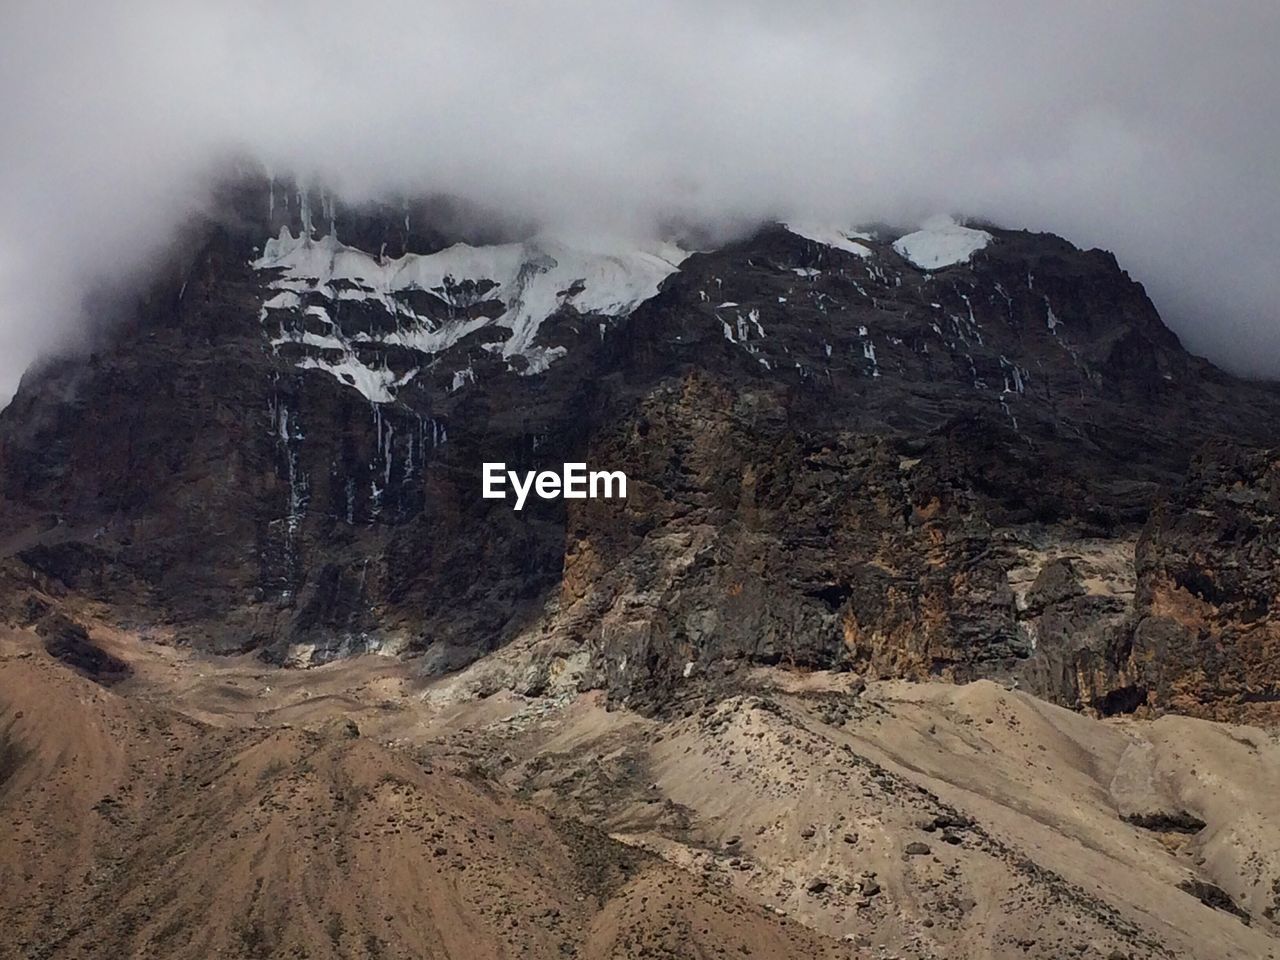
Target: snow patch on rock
{"points": [[941, 242], [530, 281], [849, 241]]}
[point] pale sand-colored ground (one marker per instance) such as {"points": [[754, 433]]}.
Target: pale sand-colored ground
{"points": [[210, 808]]}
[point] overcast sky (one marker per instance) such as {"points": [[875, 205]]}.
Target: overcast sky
{"points": [[1148, 128]]}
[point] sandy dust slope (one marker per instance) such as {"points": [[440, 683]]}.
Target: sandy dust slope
{"points": [[132, 831], [1092, 782], [810, 799], [219, 807]]}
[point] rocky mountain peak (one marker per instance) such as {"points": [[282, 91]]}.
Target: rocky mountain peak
{"points": [[909, 452]]}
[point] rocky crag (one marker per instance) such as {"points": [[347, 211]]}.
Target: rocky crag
{"points": [[959, 452]]}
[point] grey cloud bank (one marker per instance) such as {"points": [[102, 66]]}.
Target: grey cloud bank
{"points": [[1151, 129]]}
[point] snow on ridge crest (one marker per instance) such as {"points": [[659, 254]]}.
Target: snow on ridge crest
{"points": [[531, 280], [846, 240], [941, 242]]}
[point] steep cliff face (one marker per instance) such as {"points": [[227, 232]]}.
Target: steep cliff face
{"points": [[1207, 641], [914, 455]]}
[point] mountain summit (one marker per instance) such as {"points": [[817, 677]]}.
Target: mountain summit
{"points": [[959, 452], [887, 492]]}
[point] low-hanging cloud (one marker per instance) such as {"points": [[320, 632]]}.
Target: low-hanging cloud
{"points": [[1148, 128]]}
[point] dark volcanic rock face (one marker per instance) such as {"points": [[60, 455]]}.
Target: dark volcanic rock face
{"points": [[836, 457], [1207, 640], [70, 643]]}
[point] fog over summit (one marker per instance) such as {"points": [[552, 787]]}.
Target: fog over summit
{"points": [[1150, 129]]}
